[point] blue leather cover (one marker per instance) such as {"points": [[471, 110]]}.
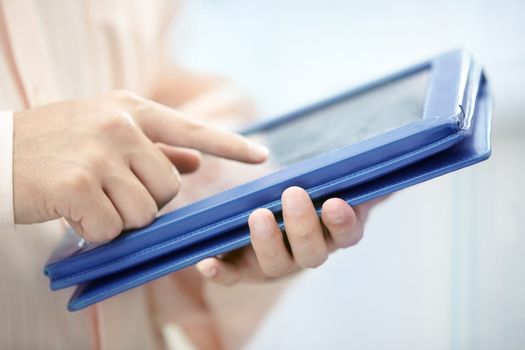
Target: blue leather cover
{"points": [[431, 147]]}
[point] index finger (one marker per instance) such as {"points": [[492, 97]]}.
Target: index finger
{"points": [[166, 125]]}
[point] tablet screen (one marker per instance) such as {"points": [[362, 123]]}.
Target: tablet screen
{"points": [[347, 122], [343, 123]]}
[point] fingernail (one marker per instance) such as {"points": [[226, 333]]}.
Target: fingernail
{"points": [[337, 214], [260, 151], [295, 201], [260, 226]]}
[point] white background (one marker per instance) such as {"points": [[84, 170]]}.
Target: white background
{"points": [[442, 265]]}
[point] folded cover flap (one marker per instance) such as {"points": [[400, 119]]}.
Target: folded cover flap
{"points": [[445, 121], [229, 210], [68, 271]]}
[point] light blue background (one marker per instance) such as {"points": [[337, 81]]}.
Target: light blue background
{"points": [[442, 264]]}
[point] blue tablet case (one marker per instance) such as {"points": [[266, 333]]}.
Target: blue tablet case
{"points": [[218, 224]]}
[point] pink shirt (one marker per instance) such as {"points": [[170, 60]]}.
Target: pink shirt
{"points": [[57, 50]]}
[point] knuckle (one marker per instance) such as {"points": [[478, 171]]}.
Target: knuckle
{"points": [[148, 216], [276, 271], [114, 122], [78, 182], [145, 217], [123, 94], [113, 229], [224, 148], [118, 122], [301, 236], [195, 126], [98, 161]]}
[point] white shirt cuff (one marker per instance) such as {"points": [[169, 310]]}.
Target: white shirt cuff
{"points": [[7, 215]]}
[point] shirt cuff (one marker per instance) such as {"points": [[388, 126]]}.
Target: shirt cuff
{"points": [[7, 215]]}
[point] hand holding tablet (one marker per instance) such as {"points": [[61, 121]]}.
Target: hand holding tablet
{"points": [[406, 128]]}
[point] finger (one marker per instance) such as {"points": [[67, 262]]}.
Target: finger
{"points": [[303, 228], [76, 227], [343, 225], [157, 174], [133, 202], [268, 243], [94, 217], [217, 271], [165, 125], [184, 159], [236, 266]]}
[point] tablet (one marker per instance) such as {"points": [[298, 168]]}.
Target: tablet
{"points": [[358, 145], [346, 121]]}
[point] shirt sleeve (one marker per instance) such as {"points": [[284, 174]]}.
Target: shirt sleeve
{"points": [[7, 215]]}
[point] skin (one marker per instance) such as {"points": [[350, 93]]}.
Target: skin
{"points": [[109, 163], [311, 238], [112, 162]]}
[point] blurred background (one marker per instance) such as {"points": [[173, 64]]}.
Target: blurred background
{"points": [[442, 264]]}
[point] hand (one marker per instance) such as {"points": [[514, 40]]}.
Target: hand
{"points": [[310, 239], [107, 163]]}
